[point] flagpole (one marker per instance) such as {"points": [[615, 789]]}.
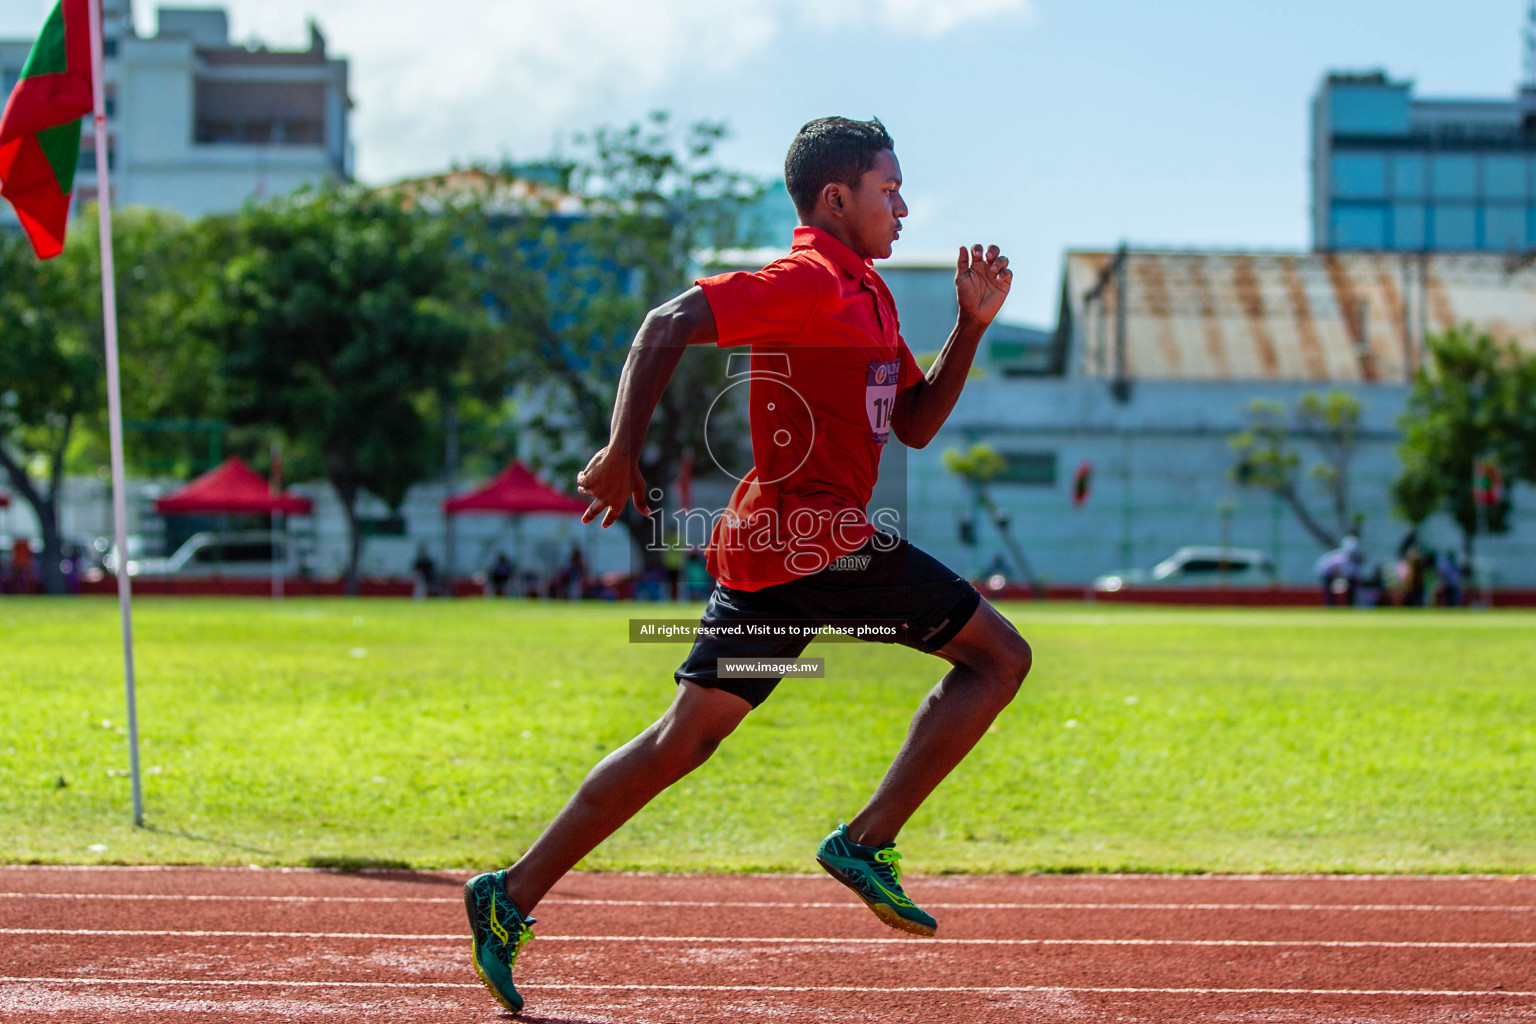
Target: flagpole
{"points": [[114, 401], [279, 534]]}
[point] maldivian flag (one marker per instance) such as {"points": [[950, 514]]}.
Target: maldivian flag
{"points": [[40, 129]]}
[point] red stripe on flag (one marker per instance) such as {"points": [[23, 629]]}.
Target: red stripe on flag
{"points": [[33, 190], [38, 103]]}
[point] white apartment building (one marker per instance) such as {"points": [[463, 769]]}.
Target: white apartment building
{"points": [[199, 125]]}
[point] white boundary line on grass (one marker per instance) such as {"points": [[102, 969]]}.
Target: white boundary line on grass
{"points": [[775, 940], [809, 989], [567, 901]]}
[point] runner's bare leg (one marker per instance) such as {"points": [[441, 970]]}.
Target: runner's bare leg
{"points": [[990, 660], [622, 783]]}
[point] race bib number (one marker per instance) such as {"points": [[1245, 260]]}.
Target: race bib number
{"points": [[880, 397]]}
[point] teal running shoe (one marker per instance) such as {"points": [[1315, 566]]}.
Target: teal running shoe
{"points": [[874, 875], [498, 932]]}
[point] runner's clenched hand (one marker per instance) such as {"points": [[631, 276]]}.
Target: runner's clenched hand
{"points": [[611, 480], [982, 281]]}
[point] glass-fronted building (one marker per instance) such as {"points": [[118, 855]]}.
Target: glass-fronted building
{"points": [[1390, 171]]}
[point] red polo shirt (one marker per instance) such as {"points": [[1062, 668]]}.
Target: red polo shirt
{"points": [[827, 363]]}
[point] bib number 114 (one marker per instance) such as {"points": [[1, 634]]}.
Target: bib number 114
{"points": [[880, 397]]}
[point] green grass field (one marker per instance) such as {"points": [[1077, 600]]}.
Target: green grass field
{"points": [[445, 735]]}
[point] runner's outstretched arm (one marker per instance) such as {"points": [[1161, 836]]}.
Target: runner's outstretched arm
{"points": [[613, 477], [982, 280]]}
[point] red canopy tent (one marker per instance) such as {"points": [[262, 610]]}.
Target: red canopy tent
{"points": [[232, 488], [515, 490]]}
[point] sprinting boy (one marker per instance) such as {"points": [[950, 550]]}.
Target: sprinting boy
{"points": [[776, 553]]}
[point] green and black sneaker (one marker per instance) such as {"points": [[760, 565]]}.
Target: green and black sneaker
{"points": [[498, 932], [874, 875]]}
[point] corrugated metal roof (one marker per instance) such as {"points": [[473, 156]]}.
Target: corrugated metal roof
{"points": [[498, 193], [1355, 316]]}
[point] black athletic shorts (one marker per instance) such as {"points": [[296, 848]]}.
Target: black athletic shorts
{"points": [[926, 601]]}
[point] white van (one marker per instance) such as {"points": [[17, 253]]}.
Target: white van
{"points": [[246, 555], [1197, 566]]}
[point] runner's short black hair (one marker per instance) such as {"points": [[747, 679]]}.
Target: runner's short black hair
{"points": [[831, 149]]}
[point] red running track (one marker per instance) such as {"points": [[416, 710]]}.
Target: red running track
{"points": [[141, 945]]}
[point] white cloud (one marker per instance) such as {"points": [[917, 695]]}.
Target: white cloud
{"points": [[925, 17], [462, 78]]}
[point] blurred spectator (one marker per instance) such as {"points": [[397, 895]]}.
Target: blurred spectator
{"points": [[502, 571], [1339, 572], [1412, 571], [426, 573], [672, 559], [576, 571], [24, 577], [1448, 593], [72, 567], [1372, 592], [618, 586], [697, 576]]}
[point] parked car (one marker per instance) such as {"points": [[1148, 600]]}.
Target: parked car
{"points": [[1197, 566], [106, 548], [245, 554]]}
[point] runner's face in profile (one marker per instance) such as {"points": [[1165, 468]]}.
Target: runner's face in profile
{"points": [[874, 208]]}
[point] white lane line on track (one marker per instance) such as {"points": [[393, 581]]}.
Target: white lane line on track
{"points": [[980, 989], [813, 905], [191, 898], [387, 873], [778, 940], [1307, 907]]}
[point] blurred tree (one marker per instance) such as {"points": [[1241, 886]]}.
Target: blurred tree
{"points": [[1473, 400], [51, 371], [170, 371], [1266, 458], [1521, 452], [645, 200], [343, 318], [978, 465]]}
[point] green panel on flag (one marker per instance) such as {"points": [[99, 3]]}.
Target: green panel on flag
{"points": [[61, 145], [49, 55], [40, 126]]}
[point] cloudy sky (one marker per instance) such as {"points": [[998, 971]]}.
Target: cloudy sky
{"points": [[1037, 124]]}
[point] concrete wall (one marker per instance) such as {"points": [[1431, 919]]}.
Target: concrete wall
{"points": [[1160, 480], [155, 102]]}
